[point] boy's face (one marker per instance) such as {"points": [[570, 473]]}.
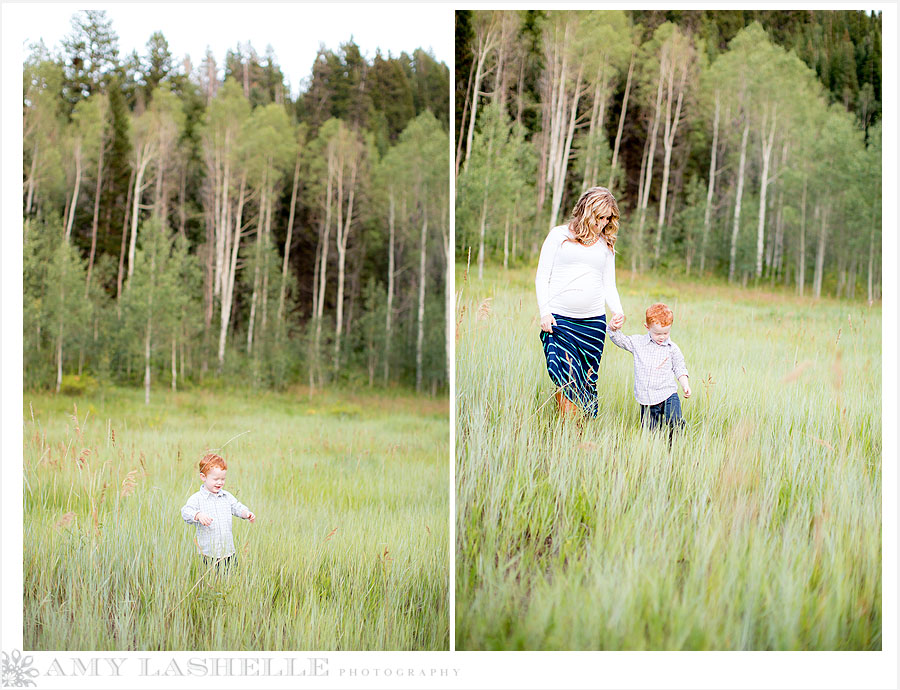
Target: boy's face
{"points": [[214, 479], [658, 334]]}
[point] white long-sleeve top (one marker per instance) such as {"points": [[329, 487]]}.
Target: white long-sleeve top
{"points": [[574, 280]]}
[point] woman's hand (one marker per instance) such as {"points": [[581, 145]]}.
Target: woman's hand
{"points": [[617, 321], [547, 323]]}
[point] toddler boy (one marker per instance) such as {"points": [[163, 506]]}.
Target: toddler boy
{"points": [[211, 509], [658, 362]]}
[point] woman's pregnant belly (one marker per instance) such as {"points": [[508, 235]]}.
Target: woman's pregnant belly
{"points": [[579, 291]]}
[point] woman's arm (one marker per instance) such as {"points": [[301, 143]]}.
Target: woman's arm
{"points": [[544, 271], [610, 293]]}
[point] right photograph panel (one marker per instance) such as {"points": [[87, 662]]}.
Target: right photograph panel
{"points": [[668, 330]]}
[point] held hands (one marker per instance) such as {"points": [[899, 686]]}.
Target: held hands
{"points": [[249, 516], [547, 323], [617, 321], [203, 519]]}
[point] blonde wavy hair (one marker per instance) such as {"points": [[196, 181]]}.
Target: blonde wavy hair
{"points": [[595, 204]]}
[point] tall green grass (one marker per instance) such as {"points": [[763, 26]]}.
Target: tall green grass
{"points": [[349, 549], [760, 529]]}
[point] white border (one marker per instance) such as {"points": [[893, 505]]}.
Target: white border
{"points": [[475, 669]]}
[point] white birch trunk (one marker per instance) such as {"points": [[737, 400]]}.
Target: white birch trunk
{"points": [[420, 317], [558, 115], [590, 162], [559, 182], [671, 127], [766, 144], [618, 142], [174, 365], [29, 198], [736, 224], [710, 189], [228, 295], [74, 205], [59, 354], [254, 300], [136, 207], [801, 258], [389, 307], [147, 361], [287, 241], [222, 224], [481, 236], [506, 243], [485, 48], [96, 220], [120, 275], [871, 267], [820, 254], [265, 256], [651, 153], [323, 262], [343, 237]]}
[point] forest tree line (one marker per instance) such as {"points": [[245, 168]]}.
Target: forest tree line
{"points": [[744, 144], [195, 225]]}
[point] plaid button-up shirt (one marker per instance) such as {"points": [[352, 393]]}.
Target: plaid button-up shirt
{"points": [[654, 366], [215, 540]]}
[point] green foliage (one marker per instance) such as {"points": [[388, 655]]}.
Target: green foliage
{"points": [[495, 184], [75, 385], [392, 95], [752, 67], [197, 152]]}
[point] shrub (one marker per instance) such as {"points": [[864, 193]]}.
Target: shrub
{"points": [[78, 385]]}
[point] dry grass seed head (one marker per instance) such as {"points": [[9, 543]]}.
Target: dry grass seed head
{"points": [[83, 457], [66, 520], [484, 309], [129, 484], [462, 313]]}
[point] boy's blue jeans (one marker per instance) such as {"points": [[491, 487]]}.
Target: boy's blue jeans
{"points": [[226, 563], [667, 412]]}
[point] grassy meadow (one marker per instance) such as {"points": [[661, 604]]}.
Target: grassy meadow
{"points": [[349, 551], [759, 530]]}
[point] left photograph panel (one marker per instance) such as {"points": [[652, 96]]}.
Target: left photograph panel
{"points": [[235, 369]]}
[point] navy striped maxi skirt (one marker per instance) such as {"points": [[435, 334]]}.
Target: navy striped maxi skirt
{"points": [[573, 353]]}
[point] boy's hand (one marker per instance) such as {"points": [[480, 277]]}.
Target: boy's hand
{"points": [[203, 519], [249, 516], [618, 320], [687, 389], [547, 323]]}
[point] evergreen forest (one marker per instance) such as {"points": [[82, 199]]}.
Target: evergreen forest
{"points": [[743, 145], [197, 224]]}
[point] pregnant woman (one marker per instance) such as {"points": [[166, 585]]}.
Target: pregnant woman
{"points": [[576, 279]]}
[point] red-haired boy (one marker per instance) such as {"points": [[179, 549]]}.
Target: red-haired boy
{"points": [[211, 509], [658, 362]]}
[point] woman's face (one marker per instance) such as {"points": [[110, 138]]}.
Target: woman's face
{"points": [[603, 219]]}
